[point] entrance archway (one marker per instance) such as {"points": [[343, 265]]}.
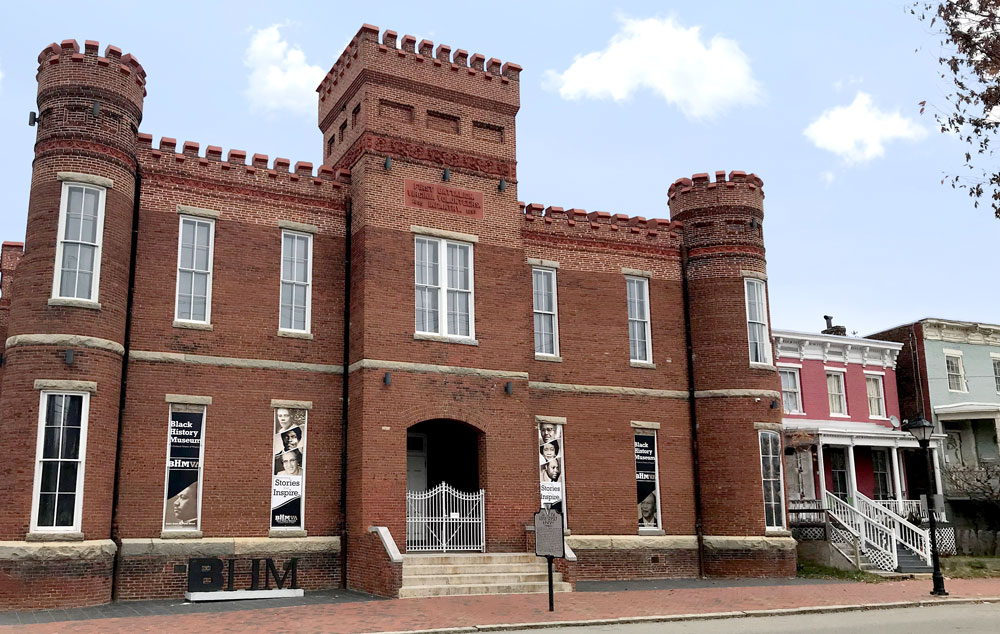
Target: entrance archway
{"points": [[445, 506]]}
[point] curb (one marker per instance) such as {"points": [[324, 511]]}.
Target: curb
{"points": [[705, 616]]}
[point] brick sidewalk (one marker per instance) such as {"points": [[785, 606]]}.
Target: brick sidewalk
{"points": [[423, 614]]}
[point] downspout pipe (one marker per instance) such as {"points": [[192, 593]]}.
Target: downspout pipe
{"points": [[693, 412], [345, 377], [123, 389]]}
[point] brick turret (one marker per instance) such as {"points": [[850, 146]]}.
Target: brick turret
{"points": [[89, 109], [736, 396]]}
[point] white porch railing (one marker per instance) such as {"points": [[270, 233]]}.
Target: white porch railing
{"points": [[911, 508], [445, 519], [913, 537], [876, 540]]}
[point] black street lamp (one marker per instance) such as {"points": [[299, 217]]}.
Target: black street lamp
{"points": [[922, 430]]}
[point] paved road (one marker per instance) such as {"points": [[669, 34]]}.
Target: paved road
{"points": [[976, 618]]}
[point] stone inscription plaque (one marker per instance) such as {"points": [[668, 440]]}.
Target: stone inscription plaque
{"points": [[440, 197], [549, 533]]}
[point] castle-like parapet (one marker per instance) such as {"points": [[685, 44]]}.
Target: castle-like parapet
{"points": [[726, 212], [541, 221]]}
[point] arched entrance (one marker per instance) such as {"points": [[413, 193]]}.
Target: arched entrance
{"points": [[444, 501]]}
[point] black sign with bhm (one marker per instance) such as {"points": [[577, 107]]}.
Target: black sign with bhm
{"points": [[211, 574]]}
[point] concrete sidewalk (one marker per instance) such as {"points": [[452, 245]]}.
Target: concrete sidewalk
{"points": [[485, 613]]}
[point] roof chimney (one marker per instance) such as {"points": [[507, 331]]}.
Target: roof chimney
{"points": [[833, 330]]}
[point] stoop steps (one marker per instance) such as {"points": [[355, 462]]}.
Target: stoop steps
{"points": [[437, 575]]}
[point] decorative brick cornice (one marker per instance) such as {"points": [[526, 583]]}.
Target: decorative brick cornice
{"points": [[257, 194], [726, 250], [426, 153], [59, 146], [598, 245]]}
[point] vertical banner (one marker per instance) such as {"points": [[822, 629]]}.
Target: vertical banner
{"points": [[646, 482], [550, 464], [289, 467], [181, 509]]}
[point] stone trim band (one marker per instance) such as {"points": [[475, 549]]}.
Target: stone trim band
{"points": [[72, 341], [442, 233], [188, 399], [188, 210], [277, 402], [226, 546], [606, 389], [86, 179], [375, 364], [736, 394], [64, 385], [232, 362]]}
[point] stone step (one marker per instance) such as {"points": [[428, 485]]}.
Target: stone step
{"points": [[470, 569], [455, 559], [479, 579], [408, 592]]}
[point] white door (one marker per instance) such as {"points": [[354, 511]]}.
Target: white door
{"points": [[416, 462]]}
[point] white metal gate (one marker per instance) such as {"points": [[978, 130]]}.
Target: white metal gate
{"points": [[445, 519]]}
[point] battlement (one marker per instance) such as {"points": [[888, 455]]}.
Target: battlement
{"points": [[738, 190], [58, 64], [601, 225], [280, 169]]}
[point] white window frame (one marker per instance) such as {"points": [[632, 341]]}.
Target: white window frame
{"points": [[307, 284], [443, 288], [95, 280], [956, 354], [995, 358], [81, 461], [766, 353], [780, 479], [201, 471], [555, 309], [881, 392], [211, 269], [798, 389], [641, 282], [843, 392]]}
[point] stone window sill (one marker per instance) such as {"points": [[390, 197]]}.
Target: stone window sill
{"points": [[777, 532], [649, 530], [763, 366], [192, 325], [548, 357], [70, 302], [642, 364], [181, 534], [286, 532], [465, 341], [294, 334], [54, 536]]}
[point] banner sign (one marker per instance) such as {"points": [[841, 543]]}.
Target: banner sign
{"points": [[646, 481], [550, 465], [289, 467], [184, 445]]}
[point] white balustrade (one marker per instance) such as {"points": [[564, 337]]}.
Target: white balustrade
{"points": [[877, 541], [911, 536]]}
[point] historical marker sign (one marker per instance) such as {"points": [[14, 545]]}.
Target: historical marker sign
{"points": [[440, 197], [549, 540]]}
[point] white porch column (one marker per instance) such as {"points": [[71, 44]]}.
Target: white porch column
{"points": [[851, 475], [896, 479], [822, 471], [937, 470]]}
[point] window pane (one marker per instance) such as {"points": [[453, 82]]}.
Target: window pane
{"points": [[458, 313], [299, 321], [50, 448], [88, 230], [201, 257], [70, 448], [299, 296], [50, 474], [186, 283], [74, 410], [46, 509], [183, 306], [64, 509], [202, 234], [54, 410], [199, 282], [458, 267], [286, 316], [198, 308], [67, 477], [74, 211]]}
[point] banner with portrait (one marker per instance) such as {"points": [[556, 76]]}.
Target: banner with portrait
{"points": [[550, 465], [289, 467], [185, 433], [646, 481]]}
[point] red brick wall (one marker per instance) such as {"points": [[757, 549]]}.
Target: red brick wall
{"points": [[750, 563], [37, 585]]}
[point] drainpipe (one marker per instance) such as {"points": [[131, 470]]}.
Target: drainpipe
{"points": [[689, 347], [124, 381], [343, 396]]}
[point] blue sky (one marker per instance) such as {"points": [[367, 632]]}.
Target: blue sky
{"points": [[617, 102]]}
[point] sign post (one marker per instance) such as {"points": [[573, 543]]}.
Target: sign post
{"points": [[549, 541]]}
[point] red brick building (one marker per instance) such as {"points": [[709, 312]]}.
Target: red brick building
{"points": [[210, 356]]}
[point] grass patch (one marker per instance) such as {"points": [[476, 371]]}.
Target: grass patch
{"points": [[971, 567], [812, 570]]}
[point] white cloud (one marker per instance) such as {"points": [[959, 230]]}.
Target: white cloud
{"points": [[280, 78], [858, 133], [702, 78], [827, 177]]}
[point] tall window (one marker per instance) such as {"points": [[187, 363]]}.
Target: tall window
{"points": [[194, 270], [78, 251], [62, 443], [637, 294], [838, 471], [770, 466], [296, 281], [791, 392], [876, 399], [880, 467], [760, 341], [956, 373], [835, 389], [443, 275], [996, 373], [543, 283]]}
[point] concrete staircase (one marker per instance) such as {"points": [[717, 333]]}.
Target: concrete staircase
{"points": [[436, 575]]}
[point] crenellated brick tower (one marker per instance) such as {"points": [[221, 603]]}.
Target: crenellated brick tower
{"points": [[67, 323], [734, 386]]}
